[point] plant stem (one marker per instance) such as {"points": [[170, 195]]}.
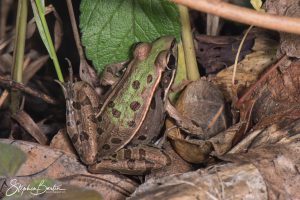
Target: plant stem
{"points": [[188, 44], [50, 42], [19, 48], [238, 54]]}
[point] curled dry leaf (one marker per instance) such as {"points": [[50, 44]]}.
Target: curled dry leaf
{"points": [[46, 163], [204, 104]]}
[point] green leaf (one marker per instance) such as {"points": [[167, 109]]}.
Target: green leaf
{"points": [[39, 24], [110, 28], [256, 4], [11, 159], [38, 7]]}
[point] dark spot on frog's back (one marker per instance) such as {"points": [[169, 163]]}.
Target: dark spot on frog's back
{"points": [[131, 123], [116, 113], [100, 131], [114, 156], [74, 138], [100, 118], [106, 147], [84, 136], [116, 140], [127, 153], [111, 104], [142, 137], [136, 85], [130, 164], [142, 153], [149, 78], [135, 105], [76, 105], [92, 118]]}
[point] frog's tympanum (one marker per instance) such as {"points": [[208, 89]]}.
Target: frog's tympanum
{"points": [[114, 136]]}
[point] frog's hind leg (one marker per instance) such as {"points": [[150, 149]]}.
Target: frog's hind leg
{"points": [[138, 160], [82, 104]]}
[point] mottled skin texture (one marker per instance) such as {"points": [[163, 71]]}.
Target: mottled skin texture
{"points": [[98, 137]]}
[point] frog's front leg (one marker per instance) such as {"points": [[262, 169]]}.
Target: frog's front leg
{"points": [[138, 160], [82, 104]]}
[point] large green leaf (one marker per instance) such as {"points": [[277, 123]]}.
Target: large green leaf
{"points": [[109, 28]]}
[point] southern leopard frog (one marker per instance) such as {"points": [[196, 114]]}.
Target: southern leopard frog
{"points": [[114, 137]]}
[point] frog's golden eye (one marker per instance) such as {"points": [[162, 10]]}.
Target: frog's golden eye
{"points": [[171, 62], [162, 59]]}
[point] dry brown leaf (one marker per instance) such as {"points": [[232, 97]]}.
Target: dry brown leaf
{"points": [[44, 162]]}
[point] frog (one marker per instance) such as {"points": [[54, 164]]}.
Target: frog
{"points": [[112, 136]]}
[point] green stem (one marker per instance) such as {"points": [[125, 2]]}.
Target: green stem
{"points": [[19, 48], [50, 42], [188, 44]]}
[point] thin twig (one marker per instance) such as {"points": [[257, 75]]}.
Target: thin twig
{"points": [[21, 87], [244, 15], [238, 54], [75, 29], [86, 72]]}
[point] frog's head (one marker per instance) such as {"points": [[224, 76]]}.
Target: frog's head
{"points": [[162, 52], [166, 59]]}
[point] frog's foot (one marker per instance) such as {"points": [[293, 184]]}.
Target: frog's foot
{"points": [[138, 160]]}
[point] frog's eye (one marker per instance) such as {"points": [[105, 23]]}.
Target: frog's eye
{"points": [[171, 62], [166, 60], [162, 59]]}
